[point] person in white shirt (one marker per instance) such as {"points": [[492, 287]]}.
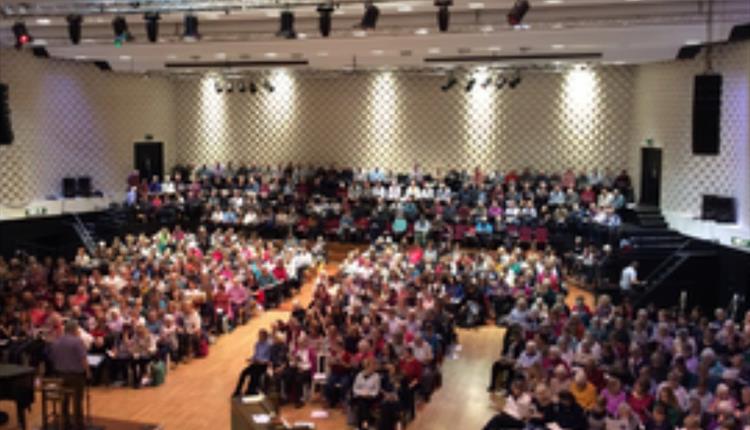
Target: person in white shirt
{"points": [[629, 278], [168, 187], [394, 191], [366, 390]]}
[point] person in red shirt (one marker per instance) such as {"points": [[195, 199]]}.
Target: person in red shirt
{"points": [[411, 369]]}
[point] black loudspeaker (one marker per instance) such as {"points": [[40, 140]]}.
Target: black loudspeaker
{"points": [[719, 208], [40, 52], [6, 132], [707, 114], [688, 52], [103, 66], [68, 187], [740, 32], [83, 186]]}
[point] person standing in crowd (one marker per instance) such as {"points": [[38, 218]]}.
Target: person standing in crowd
{"points": [[68, 357]]}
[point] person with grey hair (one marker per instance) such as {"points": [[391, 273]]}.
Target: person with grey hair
{"points": [[68, 357]]}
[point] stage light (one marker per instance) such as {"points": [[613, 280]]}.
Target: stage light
{"points": [[370, 18], [267, 85], [518, 11], [470, 84], [286, 25], [22, 34], [487, 82], [190, 32], [241, 86], [443, 14], [501, 81], [74, 28], [324, 21], [514, 81], [218, 87], [152, 26], [120, 29], [450, 83], [253, 88]]}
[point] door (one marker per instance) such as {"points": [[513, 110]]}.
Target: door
{"points": [[650, 176], [149, 159]]}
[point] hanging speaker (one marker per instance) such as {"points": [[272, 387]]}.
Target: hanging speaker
{"points": [[6, 132], [707, 114], [69, 187]]}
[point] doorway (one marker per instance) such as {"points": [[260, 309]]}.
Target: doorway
{"points": [[650, 176], [149, 159]]}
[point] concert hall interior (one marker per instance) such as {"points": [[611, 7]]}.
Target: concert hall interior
{"points": [[375, 214]]}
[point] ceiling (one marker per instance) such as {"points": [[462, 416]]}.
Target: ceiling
{"points": [[240, 34]]}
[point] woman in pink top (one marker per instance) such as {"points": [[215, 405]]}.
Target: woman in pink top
{"points": [[614, 395]]}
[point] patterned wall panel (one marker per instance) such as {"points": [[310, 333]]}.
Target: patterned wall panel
{"points": [[72, 119], [663, 112], [579, 119]]}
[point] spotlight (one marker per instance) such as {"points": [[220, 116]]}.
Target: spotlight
{"points": [[253, 88], [218, 87], [152, 26], [22, 34], [190, 32], [120, 29], [370, 18], [324, 21], [241, 86], [518, 11], [229, 87], [443, 14], [74, 28], [267, 85], [514, 81], [501, 81], [470, 84], [450, 83], [487, 82], [286, 25]]}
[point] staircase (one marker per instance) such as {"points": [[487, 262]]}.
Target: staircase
{"points": [[85, 233], [649, 217], [688, 269]]}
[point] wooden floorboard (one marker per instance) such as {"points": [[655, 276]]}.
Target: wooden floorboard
{"points": [[196, 395]]}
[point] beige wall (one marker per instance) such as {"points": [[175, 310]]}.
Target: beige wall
{"points": [[72, 119], [550, 121], [663, 112]]}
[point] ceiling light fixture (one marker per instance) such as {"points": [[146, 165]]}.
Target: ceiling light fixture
{"points": [[191, 33], [518, 11], [152, 26], [120, 30], [74, 28], [443, 14], [500, 83], [286, 25], [450, 83], [370, 18], [515, 80], [324, 20], [267, 85], [470, 84]]}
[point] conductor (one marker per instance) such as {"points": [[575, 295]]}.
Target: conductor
{"points": [[68, 357]]}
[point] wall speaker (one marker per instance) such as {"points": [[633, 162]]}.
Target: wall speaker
{"points": [[688, 52], [707, 114], [6, 132], [83, 186], [40, 52], [103, 66], [69, 187], [719, 208], [740, 32]]}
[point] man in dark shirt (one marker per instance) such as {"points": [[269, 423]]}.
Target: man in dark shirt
{"points": [[68, 357]]}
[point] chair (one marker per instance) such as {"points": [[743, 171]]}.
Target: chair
{"points": [[541, 235], [320, 377], [525, 235], [53, 397]]}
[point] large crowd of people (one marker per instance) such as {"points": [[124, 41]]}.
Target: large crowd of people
{"points": [[483, 208], [612, 367], [143, 302]]}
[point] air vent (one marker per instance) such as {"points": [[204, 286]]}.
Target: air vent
{"points": [[496, 58], [406, 53], [464, 50], [225, 64]]}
